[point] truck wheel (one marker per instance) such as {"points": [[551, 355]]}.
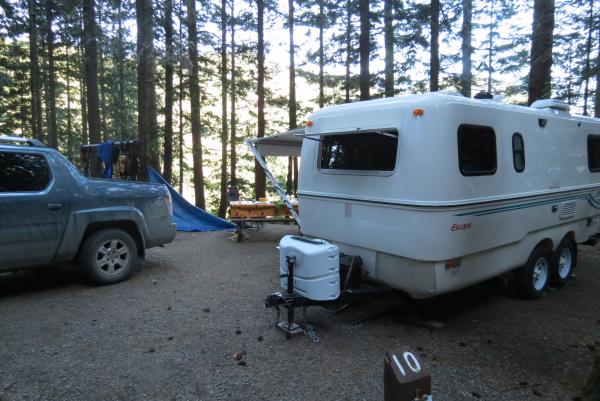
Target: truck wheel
{"points": [[108, 256], [564, 261], [533, 278]]}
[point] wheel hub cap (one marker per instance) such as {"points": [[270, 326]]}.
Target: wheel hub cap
{"points": [[540, 274], [112, 257], [564, 263]]}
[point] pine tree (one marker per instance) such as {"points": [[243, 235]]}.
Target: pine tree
{"points": [[169, 95], [34, 72], [91, 79], [259, 174], [292, 106], [466, 76], [587, 72], [224, 90], [365, 79], [233, 95], [597, 93], [147, 129], [52, 130], [389, 48], [195, 105], [434, 60], [541, 50]]}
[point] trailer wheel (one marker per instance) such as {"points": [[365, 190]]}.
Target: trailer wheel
{"points": [[564, 262], [533, 278], [108, 256]]}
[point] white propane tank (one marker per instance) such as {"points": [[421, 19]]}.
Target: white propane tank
{"points": [[316, 269]]}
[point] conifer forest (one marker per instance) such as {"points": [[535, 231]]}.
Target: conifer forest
{"points": [[191, 80]]}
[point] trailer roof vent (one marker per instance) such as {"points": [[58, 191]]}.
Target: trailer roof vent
{"points": [[483, 96], [551, 104]]}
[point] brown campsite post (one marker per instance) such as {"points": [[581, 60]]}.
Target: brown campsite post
{"points": [[405, 378]]}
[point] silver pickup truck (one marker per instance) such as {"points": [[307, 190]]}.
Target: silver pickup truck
{"points": [[50, 214]]}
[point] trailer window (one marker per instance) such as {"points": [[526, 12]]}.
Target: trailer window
{"points": [[518, 152], [593, 144], [476, 150], [367, 151]]}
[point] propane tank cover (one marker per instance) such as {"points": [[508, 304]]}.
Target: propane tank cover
{"points": [[316, 268]]}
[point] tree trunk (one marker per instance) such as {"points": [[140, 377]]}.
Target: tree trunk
{"points": [[597, 95], [348, 49], [82, 91], [224, 133], [466, 76], [588, 55], [364, 50], [232, 141], [541, 50], [181, 94], [195, 105], [292, 106], [180, 73], [490, 66], [434, 56], [34, 72], [91, 80], [388, 22], [147, 129], [69, 121], [259, 174], [101, 84], [121, 107], [52, 131], [321, 23], [169, 60]]}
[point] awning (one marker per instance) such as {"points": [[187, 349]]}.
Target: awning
{"points": [[286, 143]]}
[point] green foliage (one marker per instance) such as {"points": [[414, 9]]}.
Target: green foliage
{"points": [[501, 28]]}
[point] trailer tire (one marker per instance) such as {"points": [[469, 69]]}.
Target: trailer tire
{"points": [[533, 278], [563, 263], [108, 256]]}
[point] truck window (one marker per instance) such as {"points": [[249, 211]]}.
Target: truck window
{"points": [[365, 151], [593, 147], [518, 152], [476, 150], [23, 172]]}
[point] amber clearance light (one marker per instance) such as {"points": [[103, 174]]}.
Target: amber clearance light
{"points": [[418, 112], [310, 123]]}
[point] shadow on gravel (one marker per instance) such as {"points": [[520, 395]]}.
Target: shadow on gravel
{"points": [[35, 280], [433, 313]]}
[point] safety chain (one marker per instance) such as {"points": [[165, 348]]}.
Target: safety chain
{"points": [[311, 333]]}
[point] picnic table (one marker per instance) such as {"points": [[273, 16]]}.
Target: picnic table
{"points": [[244, 213]]}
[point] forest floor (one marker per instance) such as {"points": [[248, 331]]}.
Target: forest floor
{"points": [[171, 332]]}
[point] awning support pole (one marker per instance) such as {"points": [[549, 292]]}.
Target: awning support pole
{"points": [[275, 183]]}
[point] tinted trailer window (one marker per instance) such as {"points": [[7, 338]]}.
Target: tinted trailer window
{"points": [[365, 151], [476, 150]]}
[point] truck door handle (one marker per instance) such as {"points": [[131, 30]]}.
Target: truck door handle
{"points": [[54, 206]]}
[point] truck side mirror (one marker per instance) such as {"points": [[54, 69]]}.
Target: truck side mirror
{"points": [[405, 378]]}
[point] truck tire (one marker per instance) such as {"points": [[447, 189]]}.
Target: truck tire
{"points": [[108, 256], [564, 262], [533, 278]]}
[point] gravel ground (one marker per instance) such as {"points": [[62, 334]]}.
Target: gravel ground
{"points": [[172, 332]]}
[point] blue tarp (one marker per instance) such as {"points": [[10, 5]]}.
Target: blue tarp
{"points": [[105, 154], [188, 217]]}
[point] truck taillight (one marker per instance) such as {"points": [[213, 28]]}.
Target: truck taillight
{"points": [[169, 202]]}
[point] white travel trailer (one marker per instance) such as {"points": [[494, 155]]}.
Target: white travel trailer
{"points": [[436, 192]]}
